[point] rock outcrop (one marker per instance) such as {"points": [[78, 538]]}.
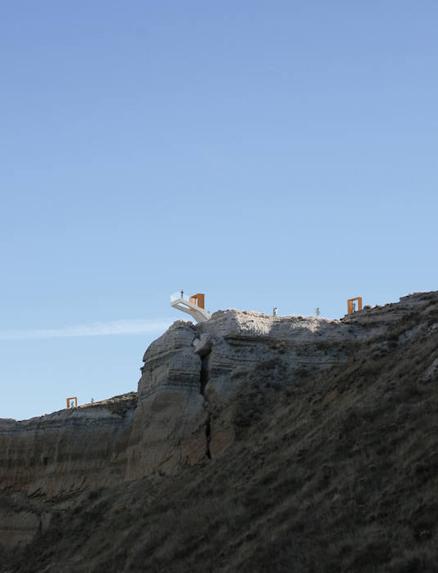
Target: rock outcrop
{"points": [[184, 409], [167, 429], [189, 407]]}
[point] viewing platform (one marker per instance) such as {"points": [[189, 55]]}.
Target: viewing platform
{"points": [[193, 305]]}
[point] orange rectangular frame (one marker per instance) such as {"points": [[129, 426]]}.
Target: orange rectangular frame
{"points": [[350, 304], [75, 402], [198, 299]]}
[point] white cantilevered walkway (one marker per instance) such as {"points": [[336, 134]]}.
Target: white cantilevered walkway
{"points": [[194, 305]]}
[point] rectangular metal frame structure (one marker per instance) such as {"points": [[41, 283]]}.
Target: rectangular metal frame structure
{"points": [[69, 400], [193, 305], [198, 299], [351, 304]]}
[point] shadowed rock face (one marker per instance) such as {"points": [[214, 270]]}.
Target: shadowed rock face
{"points": [[20, 520], [185, 408], [233, 345]]}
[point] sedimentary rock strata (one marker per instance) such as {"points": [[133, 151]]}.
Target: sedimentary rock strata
{"points": [[184, 412]]}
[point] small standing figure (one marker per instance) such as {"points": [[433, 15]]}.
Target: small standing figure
{"points": [[317, 311], [182, 293], [274, 311]]}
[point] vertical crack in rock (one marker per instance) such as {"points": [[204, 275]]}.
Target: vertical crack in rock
{"points": [[208, 435], [202, 346], [205, 359]]}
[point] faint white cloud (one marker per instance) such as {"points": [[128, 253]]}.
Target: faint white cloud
{"points": [[115, 327]]}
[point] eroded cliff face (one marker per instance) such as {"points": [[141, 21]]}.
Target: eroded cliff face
{"points": [[185, 411], [66, 450], [167, 429]]}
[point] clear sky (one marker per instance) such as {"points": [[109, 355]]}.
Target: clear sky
{"points": [[264, 152]]}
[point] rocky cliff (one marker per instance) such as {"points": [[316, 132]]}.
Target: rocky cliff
{"points": [[185, 402], [241, 403]]}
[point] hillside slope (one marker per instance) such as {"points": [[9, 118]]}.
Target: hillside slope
{"points": [[331, 468]]}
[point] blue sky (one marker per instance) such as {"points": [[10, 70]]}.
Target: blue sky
{"points": [[267, 153]]}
